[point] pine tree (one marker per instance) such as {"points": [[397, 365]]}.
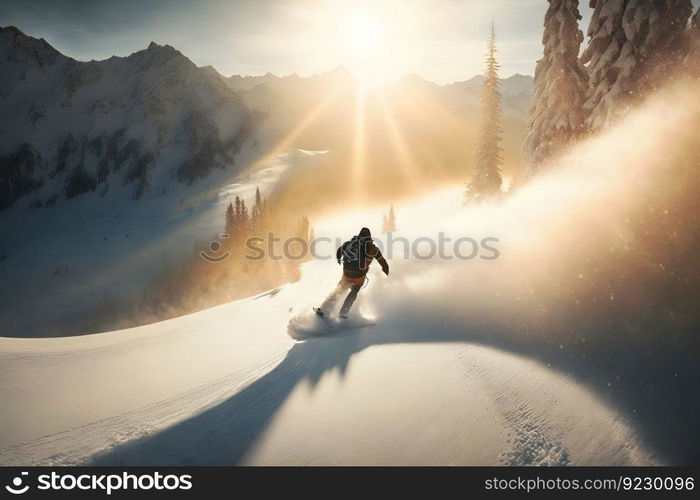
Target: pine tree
{"points": [[258, 200], [487, 178], [655, 33], [389, 221], [241, 218], [392, 219], [304, 230], [237, 209], [255, 218], [244, 221], [230, 227], [306, 234], [634, 45], [256, 211], [556, 111], [606, 39], [692, 56]]}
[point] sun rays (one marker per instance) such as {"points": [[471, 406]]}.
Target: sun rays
{"points": [[378, 130], [358, 168], [405, 162], [372, 122]]}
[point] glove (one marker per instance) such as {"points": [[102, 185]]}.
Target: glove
{"points": [[386, 270]]}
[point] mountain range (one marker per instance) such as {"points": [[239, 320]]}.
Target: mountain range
{"points": [[516, 89], [153, 121], [125, 123]]}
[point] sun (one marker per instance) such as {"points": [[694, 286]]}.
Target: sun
{"points": [[364, 33], [367, 47]]}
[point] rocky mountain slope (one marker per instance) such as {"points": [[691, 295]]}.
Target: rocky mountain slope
{"points": [[136, 124]]}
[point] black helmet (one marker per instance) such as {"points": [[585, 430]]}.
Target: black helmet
{"points": [[364, 233]]}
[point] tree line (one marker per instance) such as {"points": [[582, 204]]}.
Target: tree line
{"points": [[229, 270], [634, 48]]}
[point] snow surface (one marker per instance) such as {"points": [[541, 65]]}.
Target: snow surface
{"points": [[82, 254], [230, 385], [203, 389], [425, 385]]}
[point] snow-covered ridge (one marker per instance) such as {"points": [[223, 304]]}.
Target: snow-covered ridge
{"points": [[258, 90], [510, 86], [135, 124]]}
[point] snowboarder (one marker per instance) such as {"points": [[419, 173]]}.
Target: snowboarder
{"points": [[356, 254]]}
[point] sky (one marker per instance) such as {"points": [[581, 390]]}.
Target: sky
{"points": [[442, 40]]}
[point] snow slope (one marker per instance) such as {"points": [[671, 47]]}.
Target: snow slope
{"points": [[471, 361], [230, 385], [71, 261]]}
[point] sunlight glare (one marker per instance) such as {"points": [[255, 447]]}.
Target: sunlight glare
{"points": [[369, 45], [364, 33]]}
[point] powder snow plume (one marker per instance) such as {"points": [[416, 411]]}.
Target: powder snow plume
{"points": [[597, 264]]}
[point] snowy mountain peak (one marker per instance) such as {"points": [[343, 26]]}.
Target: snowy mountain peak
{"points": [[15, 46], [157, 55], [416, 78], [211, 71], [517, 84], [127, 126], [511, 86], [154, 48]]}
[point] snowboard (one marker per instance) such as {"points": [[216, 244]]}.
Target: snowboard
{"points": [[324, 324]]}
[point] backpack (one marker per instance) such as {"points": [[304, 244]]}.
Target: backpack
{"points": [[355, 254]]}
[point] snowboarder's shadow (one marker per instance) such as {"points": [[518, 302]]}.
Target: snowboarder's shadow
{"points": [[227, 433]]}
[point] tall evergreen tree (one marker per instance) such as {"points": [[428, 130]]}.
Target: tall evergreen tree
{"points": [[255, 218], [306, 234], [257, 212], [304, 228], [655, 33], [230, 221], [692, 56], [694, 29], [606, 40], [634, 45], [487, 178], [258, 199], [241, 217], [237, 209], [244, 222], [389, 221], [556, 111]]}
